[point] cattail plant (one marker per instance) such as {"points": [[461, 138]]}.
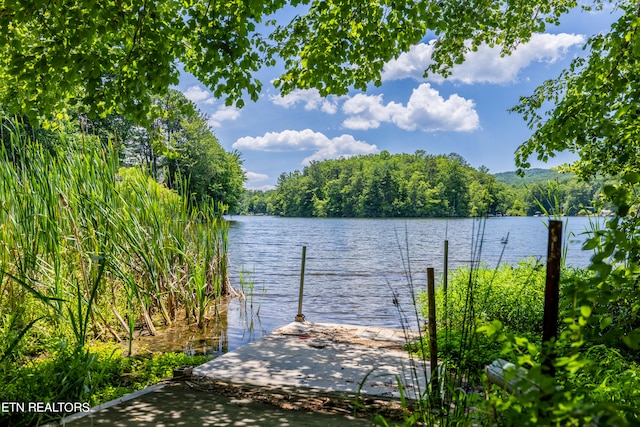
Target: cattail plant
{"points": [[92, 250]]}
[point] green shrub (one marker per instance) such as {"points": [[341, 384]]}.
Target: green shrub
{"points": [[609, 376], [94, 375], [590, 374], [514, 295]]}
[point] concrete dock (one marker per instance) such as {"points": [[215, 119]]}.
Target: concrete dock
{"points": [[303, 369], [323, 357]]}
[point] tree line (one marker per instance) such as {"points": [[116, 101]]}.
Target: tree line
{"points": [[388, 185]]}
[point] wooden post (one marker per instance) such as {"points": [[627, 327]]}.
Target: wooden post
{"points": [[300, 316], [433, 339], [551, 295]]}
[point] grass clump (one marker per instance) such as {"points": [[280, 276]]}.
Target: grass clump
{"points": [[510, 294], [92, 375]]}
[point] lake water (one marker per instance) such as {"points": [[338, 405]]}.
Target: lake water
{"points": [[356, 267]]}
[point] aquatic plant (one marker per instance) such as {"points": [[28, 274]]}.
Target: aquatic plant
{"points": [[90, 250]]}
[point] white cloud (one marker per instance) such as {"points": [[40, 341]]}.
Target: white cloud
{"points": [[368, 112], [310, 98], [360, 123], [485, 65], [223, 114], [265, 187], [410, 64], [255, 179], [254, 176], [197, 94], [305, 140], [342, 146], [426, 110]]}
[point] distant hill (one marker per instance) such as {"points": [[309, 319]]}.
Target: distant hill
{"points": [[532, 176]]}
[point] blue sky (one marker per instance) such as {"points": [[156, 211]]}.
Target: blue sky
{"points": [[465, 114]]}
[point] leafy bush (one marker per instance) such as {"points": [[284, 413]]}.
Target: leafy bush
{"points": [[95, 375], [514, 295], [590, 375], [609, 376]]}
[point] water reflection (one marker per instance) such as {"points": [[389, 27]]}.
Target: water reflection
{"points": [[231, 323]]}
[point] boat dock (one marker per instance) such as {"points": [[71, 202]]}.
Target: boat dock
{"points": [[302, 369]]}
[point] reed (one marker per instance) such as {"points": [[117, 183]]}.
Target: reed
{"points": [[450, 397], [90, 250]]}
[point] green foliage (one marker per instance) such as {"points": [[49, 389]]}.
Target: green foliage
{"points": [[116, 62], [257, 202], [404, 185], [94, 375], [132, 374], [590, 375], [611, 290], [91, 250], [53, 56], [335, 45], [513, 295], [592, 387], [67, 376], [324, 47], [609, 376], [594, 102], [209, 171], [178, 148], [385, 185], [595, 362]]}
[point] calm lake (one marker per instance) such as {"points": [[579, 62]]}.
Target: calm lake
{"points": [[355, 267]]}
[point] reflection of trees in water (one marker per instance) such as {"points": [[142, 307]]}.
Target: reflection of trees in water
{"points": [[230, 322]]}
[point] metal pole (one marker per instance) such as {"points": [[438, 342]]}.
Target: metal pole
{"points": [[445, 276], [445, 285], [300, 316], [433, 339], [551, 295]]}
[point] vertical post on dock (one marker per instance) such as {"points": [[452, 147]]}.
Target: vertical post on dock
{"points": [[433, 340], [445, 274], [445, 284], [551, 295], [300, 316]]}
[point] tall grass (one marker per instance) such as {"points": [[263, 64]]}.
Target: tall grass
{"points": [[497, 313], [476, 293], [91, 250]]}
